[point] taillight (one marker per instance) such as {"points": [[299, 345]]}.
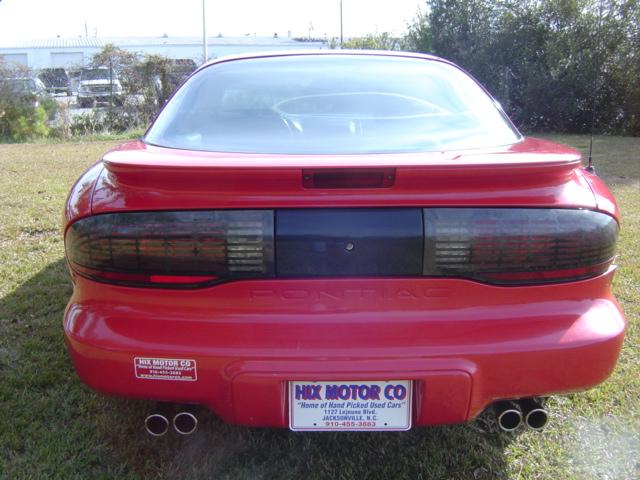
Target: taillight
{"points": [[172, 248], [510, 246], [518, 245]]}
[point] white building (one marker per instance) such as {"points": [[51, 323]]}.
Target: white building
{"points": [[76, 52]]}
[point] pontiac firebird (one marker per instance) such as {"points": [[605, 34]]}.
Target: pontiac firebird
{"points": [[341, 241]]}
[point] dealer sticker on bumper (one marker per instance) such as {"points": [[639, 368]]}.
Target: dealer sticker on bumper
{"points": [[350, 405], [179, 369]]}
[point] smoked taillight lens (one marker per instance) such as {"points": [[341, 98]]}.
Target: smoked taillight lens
{"points": [[518, 245], [510, 246], [179, 248]]}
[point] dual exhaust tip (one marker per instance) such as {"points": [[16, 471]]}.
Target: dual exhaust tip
{"points": [[511, 414], [157, 425]]}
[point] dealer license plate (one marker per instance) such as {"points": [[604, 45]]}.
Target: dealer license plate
{"points": [[350, 405]]}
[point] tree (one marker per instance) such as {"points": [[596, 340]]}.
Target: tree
{"points": [[548, 62], [382, 41], [123, 63]]}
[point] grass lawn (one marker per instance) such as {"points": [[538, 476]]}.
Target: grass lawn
{"points": [[51, 426]]}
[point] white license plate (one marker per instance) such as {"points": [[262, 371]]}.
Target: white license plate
{"points": [[350, 405]]}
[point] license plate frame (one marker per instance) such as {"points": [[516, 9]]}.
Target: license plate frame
{"points": [[350, 405]]}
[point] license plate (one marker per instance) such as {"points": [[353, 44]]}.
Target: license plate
{"points": [[350, 405]]}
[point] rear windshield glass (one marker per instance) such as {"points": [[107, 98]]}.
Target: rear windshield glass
{"points": [[20, 85], [95, 74], [330, 104]]}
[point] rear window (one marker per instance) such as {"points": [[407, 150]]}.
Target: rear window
{"points": [[95, 74], [22, 85], [331, 104]]}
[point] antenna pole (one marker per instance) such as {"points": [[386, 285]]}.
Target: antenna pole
{"points": [[205, 55], [341, 37], [596, 70]]}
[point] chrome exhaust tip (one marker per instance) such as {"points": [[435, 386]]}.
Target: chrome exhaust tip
{"points": [[185, 423], [537, 419], [536, 416], [508, 415], [156, 425]]}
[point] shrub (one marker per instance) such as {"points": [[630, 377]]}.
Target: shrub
{"points": [[23, 113], [20, 122]]}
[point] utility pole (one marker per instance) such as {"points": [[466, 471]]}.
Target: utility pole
{"points": [[205, 55], [341, 39]]}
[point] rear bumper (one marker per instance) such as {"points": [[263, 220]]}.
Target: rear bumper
{"points": [[462, 343]]}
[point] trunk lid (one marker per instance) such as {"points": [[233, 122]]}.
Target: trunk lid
{"points": [[530, 173]]}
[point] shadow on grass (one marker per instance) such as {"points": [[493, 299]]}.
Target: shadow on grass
{"points": [[62, 429]]}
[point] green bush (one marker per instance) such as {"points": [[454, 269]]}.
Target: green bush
{"points": [[23, 113], [20, 122], [554, 65], [114, 121], [382, 41]]}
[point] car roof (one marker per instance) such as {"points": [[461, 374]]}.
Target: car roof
{"points": [[325, 52]]}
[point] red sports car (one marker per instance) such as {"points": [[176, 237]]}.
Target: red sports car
{"points": [[341, 241]]}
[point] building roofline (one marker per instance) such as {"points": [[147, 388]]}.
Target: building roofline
{"points": [[132, 42]]}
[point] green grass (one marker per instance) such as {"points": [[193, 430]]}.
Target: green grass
{"points": [[51, 426]]}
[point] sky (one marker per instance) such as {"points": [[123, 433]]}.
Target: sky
{"points": [[41, 19]]}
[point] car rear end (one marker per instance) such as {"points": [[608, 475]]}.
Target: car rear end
{"points": [[335, 286]]}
